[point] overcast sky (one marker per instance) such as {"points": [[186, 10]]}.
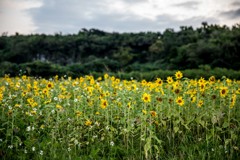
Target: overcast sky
{"points": [[70, 16]]}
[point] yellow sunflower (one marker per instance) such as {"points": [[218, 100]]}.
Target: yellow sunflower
{"points": [[223, 91], [178, 75], [146, 98], [104, 103], [153, 113], [180, 101], [88, 122], [169, 80]]}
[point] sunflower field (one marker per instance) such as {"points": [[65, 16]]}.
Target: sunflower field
{"points": [[109, 118]]}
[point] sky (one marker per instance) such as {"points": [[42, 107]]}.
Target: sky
{"points": [[70, 16]]}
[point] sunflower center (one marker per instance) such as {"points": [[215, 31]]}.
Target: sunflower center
{"points": [[223, 91]]}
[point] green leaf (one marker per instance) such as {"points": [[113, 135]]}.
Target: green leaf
{"points": [[164, 123], [225, 125], [202, 123], [147, 146], [176, 129], [158, 140]]}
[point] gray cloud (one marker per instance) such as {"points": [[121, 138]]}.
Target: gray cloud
{"points": [[236, 3], [59, 16], [188, 4], [232, 14]]}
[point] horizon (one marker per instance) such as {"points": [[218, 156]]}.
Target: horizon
{"points": [[111, 32]]}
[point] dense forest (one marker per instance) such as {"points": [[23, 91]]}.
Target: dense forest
{"points": [[93, 50]]}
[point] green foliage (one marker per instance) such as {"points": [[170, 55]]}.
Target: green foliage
{"points": [[43, 69], [8, 68], [99, 51]]}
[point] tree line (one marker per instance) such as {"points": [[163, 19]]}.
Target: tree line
{"points": [[94, 50]]}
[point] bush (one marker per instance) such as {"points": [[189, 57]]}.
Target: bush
{"points": [[9, 68], [43, 69]]}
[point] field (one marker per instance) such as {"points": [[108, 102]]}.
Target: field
{"points": [[109, 118]]}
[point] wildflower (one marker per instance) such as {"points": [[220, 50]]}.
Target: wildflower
{"points": [[159, 99], [28, 128], [17, 106], [99, 78], [117, 80], [180, 101], [200, 103], [47, 102], [97, 113], [30, 100], [76, 142], [229, 81], [42, 126], [202, 86], [144, 82], [88, 123], [201, 80], [223, 91], [41, 152], [59, 107], [45, 91], [153, 113], [112, 78], [177, 90], [213, 97], [144, 111], [10, 146], [97, 123], [193, 99], [111, 143], [233, 100], [50, 85], [129, 105], [33, 112], [212, 79], [78, 113], [104, 103], [238, 91], [106, 76], [159, 82], [133, 87], [178, 75], [1, 96], [33, 149], [146, 98], [169, 80]]}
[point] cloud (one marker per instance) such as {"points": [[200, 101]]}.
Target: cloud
{"points": [[232, 14], [51, 16], [188, 4], [14, 18], [236, 3], [120, 16]]}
